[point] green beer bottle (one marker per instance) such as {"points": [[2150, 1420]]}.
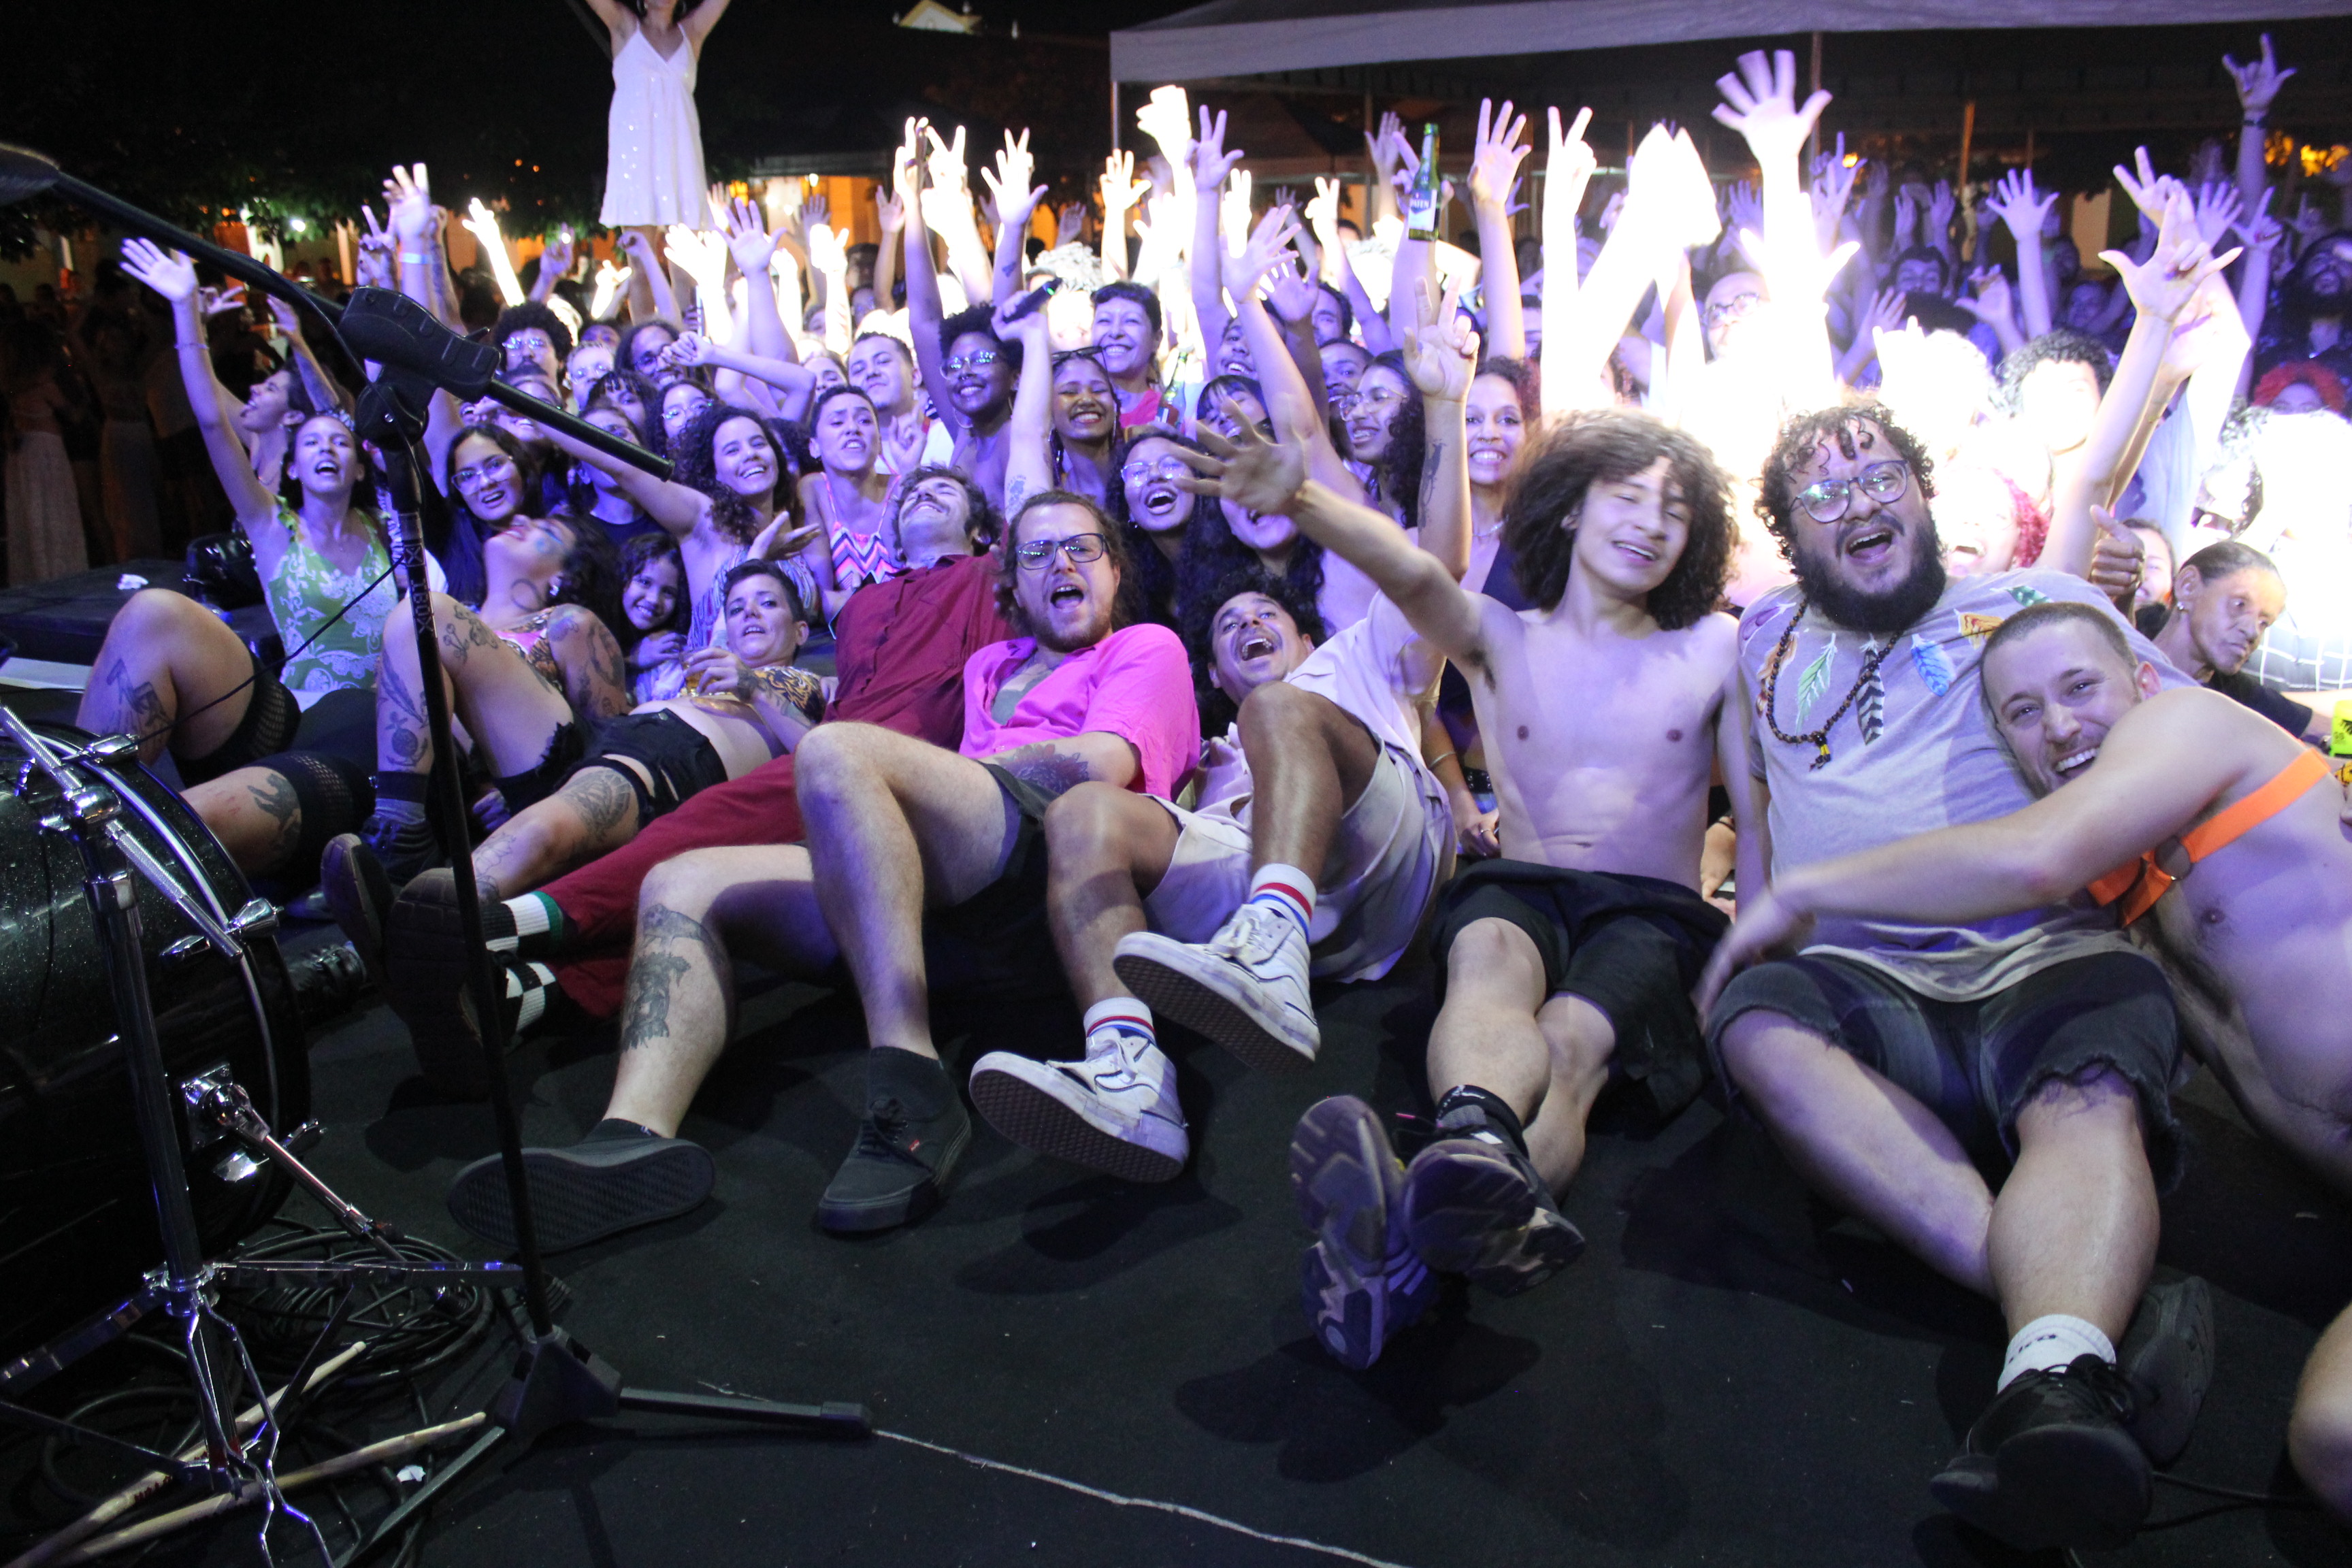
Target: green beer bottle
{"points": [[1424, 209]]}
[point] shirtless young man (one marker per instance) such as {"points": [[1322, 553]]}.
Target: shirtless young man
{"points": [[1889, 1059], [1605, 708], [917, 857], [2264, 926]]}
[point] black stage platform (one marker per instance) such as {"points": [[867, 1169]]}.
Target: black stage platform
{"points": [[1066, 1368]]}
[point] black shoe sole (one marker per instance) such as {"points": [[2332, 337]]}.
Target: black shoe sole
{"points": [[1470, 1211], [581, 1195], [887, 1211], [1172, 993], [2074, 1486], [427, 987], [1038, 1121], [359, 895], [2167, 1356]]}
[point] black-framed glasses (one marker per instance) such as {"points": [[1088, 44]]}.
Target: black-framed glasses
{"points": [[1064, 356], [963, 363], [1731, 309], [1036, 554], [1827, 500]]}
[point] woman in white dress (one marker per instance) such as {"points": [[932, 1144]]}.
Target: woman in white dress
{"points": [[653, 170]]}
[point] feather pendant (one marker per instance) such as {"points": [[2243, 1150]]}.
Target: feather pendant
{"points": [[1870, 707], [1935, 667], [1816, 682]]}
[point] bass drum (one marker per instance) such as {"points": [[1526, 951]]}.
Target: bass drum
{"points": [[77, 1222]]}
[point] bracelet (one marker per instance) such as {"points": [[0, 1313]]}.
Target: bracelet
{"points": [[183, 348], [2253, 120], [1431, 762]]}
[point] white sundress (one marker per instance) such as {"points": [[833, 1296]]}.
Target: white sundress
{"points": [[653, 168]]}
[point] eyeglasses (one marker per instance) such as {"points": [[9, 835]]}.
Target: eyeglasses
{"points": [[1731, 309], [1064, 356], [963, 363], [1165, 469], [1827, 500], [492, 467], [1038, 554]]}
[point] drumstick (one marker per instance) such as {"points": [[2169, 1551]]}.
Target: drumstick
{"points": [[342, 1464], [154, 1482]]}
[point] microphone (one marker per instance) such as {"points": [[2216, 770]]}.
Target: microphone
{"points": [[23, 173]]}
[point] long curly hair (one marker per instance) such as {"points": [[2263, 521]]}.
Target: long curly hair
{"points": [[635, 556], [1558, 469], [364, 484], [1217, 710], [1401, 460], [591, 575], [1211, 553], [1776, 498], [698, 466]]}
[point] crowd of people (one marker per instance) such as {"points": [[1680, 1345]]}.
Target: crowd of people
{"points": [[1794, 635]]}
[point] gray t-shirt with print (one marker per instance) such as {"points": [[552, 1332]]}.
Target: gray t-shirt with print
{"points": [[1914, 752]]}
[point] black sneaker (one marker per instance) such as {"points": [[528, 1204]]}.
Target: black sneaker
{"points": [[2050, 1463], [426, 969], [2167, 1357], [404, 845], [359, 896], [1478, 1208], [898, 1170], [587, 1192]]}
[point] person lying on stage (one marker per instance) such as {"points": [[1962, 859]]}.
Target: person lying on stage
{"points": [[2138, 787], [528, 675], [900, 651], [746, 705], [916, 855], [1570, 960], [1328, 774]]}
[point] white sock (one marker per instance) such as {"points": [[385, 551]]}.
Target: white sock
{"points": [[1289, 890], [2051, 1343], [1128, 1015], [529, 984], [530, 914]]}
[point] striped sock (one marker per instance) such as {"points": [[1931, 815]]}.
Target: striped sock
{"points": [[528, 986], [538, 928], [1125, 1013], [1288, 890]]}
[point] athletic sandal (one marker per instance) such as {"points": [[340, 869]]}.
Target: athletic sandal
{"points": [[2167, 1357], [2049, 1464], [426, 974], [1361, 1282], [359, 897], [587, 1192], [1244, 988], [1115, 1112], [898, 1170], [1478, 1208]]}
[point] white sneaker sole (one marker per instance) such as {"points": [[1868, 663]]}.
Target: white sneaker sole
{"points": [[1205, 996], [1040, 1108]]}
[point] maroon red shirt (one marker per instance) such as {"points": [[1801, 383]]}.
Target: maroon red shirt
{"points": [[900, 648]]}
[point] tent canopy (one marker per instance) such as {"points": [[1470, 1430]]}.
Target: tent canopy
{"points": [[1247, 37]]}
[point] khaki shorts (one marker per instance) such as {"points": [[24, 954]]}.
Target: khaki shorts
{"points": [[1394, 849]]}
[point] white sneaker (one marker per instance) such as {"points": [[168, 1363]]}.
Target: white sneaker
{"points": [[1245, 987], [1116, 1111]]}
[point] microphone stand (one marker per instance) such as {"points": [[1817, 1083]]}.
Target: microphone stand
{"points": [[557, 1381]]}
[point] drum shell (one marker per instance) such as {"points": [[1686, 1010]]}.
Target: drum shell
{"points": [[78, 1223]]}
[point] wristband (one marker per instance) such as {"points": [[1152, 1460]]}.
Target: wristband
{"points": [[2253, 119], [416, 257]]}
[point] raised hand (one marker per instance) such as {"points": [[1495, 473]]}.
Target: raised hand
{"points": [[1210, 161], [1760, 103], [2309, 222], [1323, 212], [1566, 171], [1069, 224], [172, 276], [1234, 217], [1742, 207], [408, 202], [889, 214], [221, 301], [906, 169], [828, 253], [946, 160], [1833, 188], [1259, 475], [2146, 190], [555, 260], [1440, 350], [2258, 229], [1289, 293], [1886, 313], [1008, 183], [609, 281], [1266, 244], [1496, 157], [2217, 210], [688, 350], [1380, 146], [1907, 220], [288, 319], [2015, 202], [1940, 207], [2258, 81], [1993, 303], [701, 256], [1120, 189], [2162, 287], [748, 239], [2118, 559], [1167, 118]]}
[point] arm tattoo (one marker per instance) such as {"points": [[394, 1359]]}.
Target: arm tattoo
{"points": [[659, 965], [1045, 770], [1429, 480]]}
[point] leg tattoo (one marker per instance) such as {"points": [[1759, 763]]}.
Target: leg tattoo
{"points": [[669, 944]]}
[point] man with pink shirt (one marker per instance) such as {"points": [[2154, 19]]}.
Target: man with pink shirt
{"points": [[917, 859]]}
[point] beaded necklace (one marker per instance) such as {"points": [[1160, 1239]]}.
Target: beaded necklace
{"points": [[1817, 738]]}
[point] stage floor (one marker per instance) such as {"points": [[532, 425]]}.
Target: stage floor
{"points": [[1065, 1367]]}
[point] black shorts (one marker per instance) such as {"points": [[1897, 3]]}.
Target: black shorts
{"points": [[271, 718], [1632, 946], [680, 759], [997, 943], [1975, 1064], [564, 749]]}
